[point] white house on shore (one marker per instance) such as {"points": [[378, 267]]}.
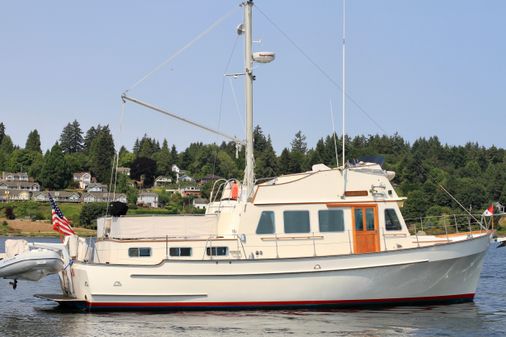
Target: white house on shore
{"points": [[96, 187], [60, 196], [19, 185], [162, 181], [15, 176], [14, 195], [84, 178], [200, 203], [104, 197], [148, 199]]}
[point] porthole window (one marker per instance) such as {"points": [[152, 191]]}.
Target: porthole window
{"points": [[139, 252], [180, 251]]}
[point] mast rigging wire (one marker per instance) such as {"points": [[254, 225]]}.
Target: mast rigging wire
{"points": [[184, 48], [320, 69], [331, 80]]}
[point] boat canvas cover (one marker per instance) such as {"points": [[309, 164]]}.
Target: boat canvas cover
{"points": [[166, 226], [15, 247]]}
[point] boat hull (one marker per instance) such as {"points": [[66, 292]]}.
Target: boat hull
{"points": [[442, 273]]}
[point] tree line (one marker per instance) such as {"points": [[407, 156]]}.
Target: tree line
{"points": [[474, 174]]}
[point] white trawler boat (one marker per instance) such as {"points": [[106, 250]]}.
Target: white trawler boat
{"points": [[323, 238]]}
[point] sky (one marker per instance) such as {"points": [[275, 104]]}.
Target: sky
{"points": [[418, 68]]}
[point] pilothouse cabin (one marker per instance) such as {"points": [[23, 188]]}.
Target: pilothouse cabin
{"points": [[322, 212]]}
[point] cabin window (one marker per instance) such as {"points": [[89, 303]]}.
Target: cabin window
{"points": [[331, 220], [266, 223], [359, 220], [369, 219], [180, 251], [296, 221], [217, 251], [392, 222], [139, 252]]}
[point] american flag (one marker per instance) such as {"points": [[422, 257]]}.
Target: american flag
{"points": [[60, 222]]}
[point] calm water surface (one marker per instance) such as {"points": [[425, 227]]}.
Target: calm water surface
{"points": [[23, 315]]}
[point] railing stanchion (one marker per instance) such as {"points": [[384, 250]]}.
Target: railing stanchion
{"points": [[446, 229], [349, 240], [314, 245], [277, 249], [469, 224], [384, 238], [421, 224], [456, 223], [416, 234]]}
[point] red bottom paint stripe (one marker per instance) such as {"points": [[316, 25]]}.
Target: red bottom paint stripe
{"points": [[279, 303]]}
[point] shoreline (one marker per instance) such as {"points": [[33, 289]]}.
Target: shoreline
{"points": [[29, 228]]}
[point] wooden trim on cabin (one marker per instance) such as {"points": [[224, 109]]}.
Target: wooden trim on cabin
{"points": [[330, 203], [288, 238], [358, 193]]}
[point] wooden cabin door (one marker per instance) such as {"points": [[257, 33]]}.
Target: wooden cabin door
{"points": [[365, 228]]}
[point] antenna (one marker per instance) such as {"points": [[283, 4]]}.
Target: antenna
{"points": [[344, 81], [334, 131]]}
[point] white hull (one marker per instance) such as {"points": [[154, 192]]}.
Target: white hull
{"points": [[439, 273], [31, 265]]}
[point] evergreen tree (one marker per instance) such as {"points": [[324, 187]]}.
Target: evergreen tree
{"points": [[71, 138], [259, 141], [163, 160], [55, 173], [102, 155], [7, 146], [143, 169], [267, 163], [299, 143], [298, 153], [147, 147], [173, 155], [33, 142], [21, 160], [91, 134], [2, 132], [125, 157], [285, 160]]}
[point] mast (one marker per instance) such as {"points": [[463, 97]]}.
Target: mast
{"points": [[249, 172], [344, 80]]}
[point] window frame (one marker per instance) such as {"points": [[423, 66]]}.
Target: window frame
{"points": [[210, 250], [339, 211], [389, 218], [273, 222], [297, 232], [139, 249], [179, 250]]}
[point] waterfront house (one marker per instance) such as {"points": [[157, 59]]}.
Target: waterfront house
{"points": [[162, 181], [123, 170], [148, 199], [200, 203], [208, 178], [83, 178], [19, 185], [96, 187], [104, 197], [190, 191], [15, 176], [15, 195]]}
